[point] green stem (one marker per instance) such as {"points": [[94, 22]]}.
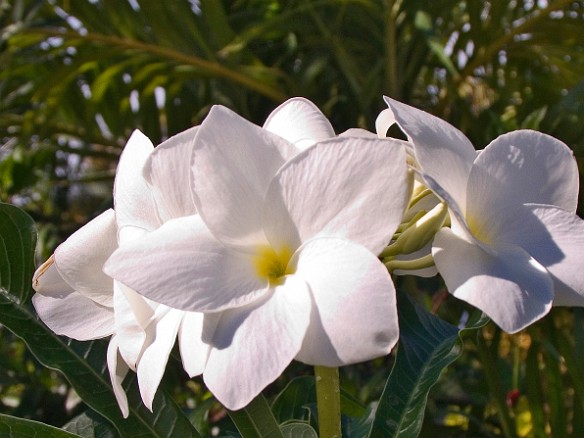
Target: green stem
{"points": [[328, 398]]}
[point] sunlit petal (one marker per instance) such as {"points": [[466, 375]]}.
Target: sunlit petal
{"points": [[153, 362], [80, 258], [117, 370], [442, 151], [354, 318], [523, 167], [254, 344], [133, 200], [233, 163], [356, 188], [509, 286], [169, 175], [183, 266], [194, 351], [75, 316], [300, 122]]}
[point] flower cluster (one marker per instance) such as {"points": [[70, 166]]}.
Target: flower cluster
{"points": [[255, 246]]}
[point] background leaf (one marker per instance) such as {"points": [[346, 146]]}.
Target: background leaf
{"points": [[427, 344], [12, 427], [17, 243]]}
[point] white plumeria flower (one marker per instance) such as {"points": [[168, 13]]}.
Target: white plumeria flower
{"points": [[75, 298], [515, 247], [282, 256]]}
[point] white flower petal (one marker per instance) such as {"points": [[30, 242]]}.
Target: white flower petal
{"points": [[80, 258], [183, 266], [356, 188], [75, 316], [357, 132], [511, 287], [233, 163], [133, 200], [254, 344], [193, 350], [168, 172], [117, 370], [48, 281], [555, 238], [355, 314], [299, 121], [442, 151], [523, 167], [383, 122], [132, 315], [153, 362]]}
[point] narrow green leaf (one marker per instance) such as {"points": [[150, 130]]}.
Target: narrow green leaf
{"points": [[256, 420], [427, 345], [17, 243], [13, 427]]}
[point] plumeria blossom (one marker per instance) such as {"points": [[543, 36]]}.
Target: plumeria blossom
{"points": [[75, 298], [282, 256], [515, 244]]}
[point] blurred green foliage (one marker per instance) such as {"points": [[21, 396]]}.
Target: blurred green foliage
{"points": [[77, 76]]}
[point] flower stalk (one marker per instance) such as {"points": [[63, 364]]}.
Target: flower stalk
{"points": [[328, 398]]}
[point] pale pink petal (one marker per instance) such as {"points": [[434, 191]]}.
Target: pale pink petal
{"points": [[133, 200], [254, 344], [194, 351], [80, 258], [523, 167], [355, 188], [555, 238], [75, 316], [233, 163], [153, 362], [183, 266], [511, 287], [299, 121], [442, 151], [354, 318], [118, 371], [168, 172]]}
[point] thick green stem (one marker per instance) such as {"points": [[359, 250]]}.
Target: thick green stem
{"points": [[328, 398]]}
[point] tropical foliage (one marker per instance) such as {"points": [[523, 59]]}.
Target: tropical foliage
{"points": [[78, 76]]}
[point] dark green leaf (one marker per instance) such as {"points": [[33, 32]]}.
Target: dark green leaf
{"points": [[427, 345], [12, 427], [256, 420], [17, 242], [91, 425]]}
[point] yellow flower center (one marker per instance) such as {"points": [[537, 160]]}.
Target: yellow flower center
{"points": [[272, 264]]}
